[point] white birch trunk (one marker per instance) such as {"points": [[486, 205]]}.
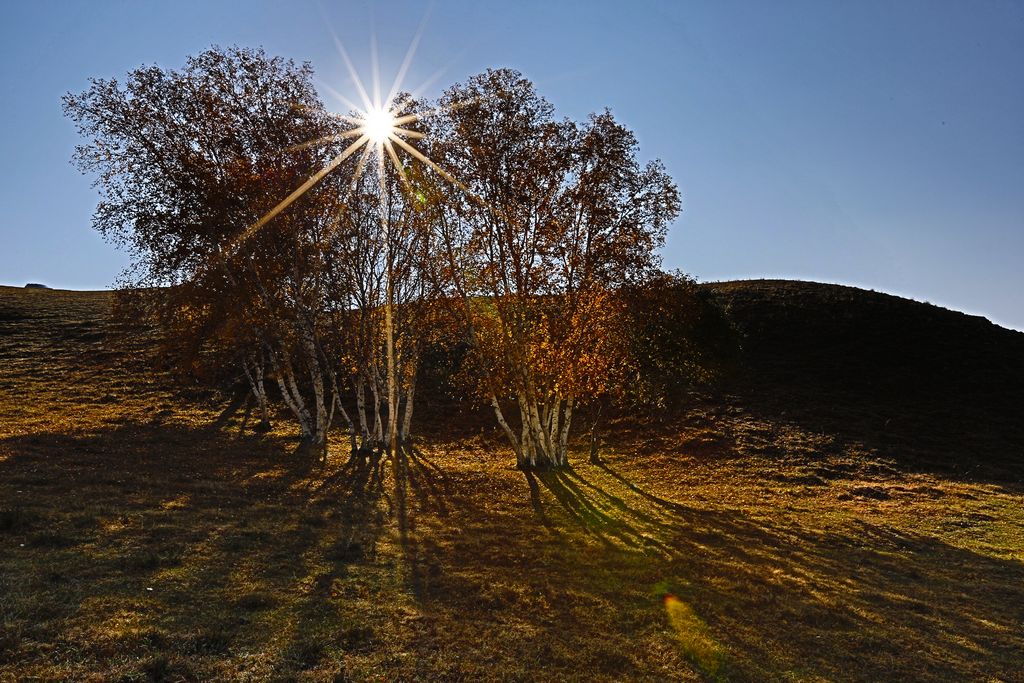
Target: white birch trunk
{"points": [[261, 396], [336, 401], [542, 453], [556, 409], [389, 332], [527, 445], [364, 430], [316, 378], [563, 438], [410, 394], [256, 383], [290, 392], [378, 426], [508, 430]]}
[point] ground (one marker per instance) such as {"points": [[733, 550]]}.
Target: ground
{"points": [[147, 536]]}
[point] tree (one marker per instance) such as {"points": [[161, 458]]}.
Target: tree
{"points": [[187, 162], [382, 290], [553, 216]]}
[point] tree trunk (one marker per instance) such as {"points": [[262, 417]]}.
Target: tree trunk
{"points": [[318, 439], [508, 431], [563, 437], [261, 397], [336, 400], [353, 445], [364, 430], [378, 427], [527, 457], [290, 391], [540, 447], [544, 439], [389, 332], [556, 411], [410, 393], [253, 367]]}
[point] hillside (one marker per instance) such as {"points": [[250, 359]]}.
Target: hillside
{"points": [[929, 385], [872, 343], [848, 506]]}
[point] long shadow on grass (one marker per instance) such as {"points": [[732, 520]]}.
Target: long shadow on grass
{"points": [[353, 506], [371, 494], [260, 567], [606, 516], [860, 602], [164, 546], [977, 439], [414, 472]]}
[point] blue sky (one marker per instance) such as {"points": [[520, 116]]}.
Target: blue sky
{"points": [[879, 144]]}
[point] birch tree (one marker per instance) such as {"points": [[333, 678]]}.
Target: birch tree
{"points": [[552, 216], [186, 161]]}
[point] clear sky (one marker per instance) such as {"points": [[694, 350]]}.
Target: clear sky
{"points": [[873, 143]]}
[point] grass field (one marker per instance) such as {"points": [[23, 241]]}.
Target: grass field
{"points": [[146, 535]]}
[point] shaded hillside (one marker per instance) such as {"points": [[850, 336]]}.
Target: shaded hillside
{"points": [[912, 378], [872, 343]]}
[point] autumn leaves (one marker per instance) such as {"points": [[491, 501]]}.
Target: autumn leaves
{"points": [[515, 241]]}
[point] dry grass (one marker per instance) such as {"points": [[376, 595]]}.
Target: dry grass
{"points": [[145, 538]]}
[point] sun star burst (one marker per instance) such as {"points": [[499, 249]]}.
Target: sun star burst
{"points": [[378, 124], [377, 127]]}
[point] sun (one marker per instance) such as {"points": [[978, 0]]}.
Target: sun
{"points": [[374, 127], [378, 125]]}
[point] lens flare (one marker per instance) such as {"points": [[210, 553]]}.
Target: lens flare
{"points": [[695, 636]]}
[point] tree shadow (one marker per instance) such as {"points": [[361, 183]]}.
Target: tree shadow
{"points": [[413, 471], [602, 514], [974, 439], [177, 545], [535, 502], [239, 401], [881, 592], [331, 572]]}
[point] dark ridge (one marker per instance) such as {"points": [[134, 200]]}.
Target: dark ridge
{"points": [[914, 380], [870, 343]]}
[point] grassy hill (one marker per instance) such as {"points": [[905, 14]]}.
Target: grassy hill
{"points": [[848, 506], [927, 385], [872, 343]]}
